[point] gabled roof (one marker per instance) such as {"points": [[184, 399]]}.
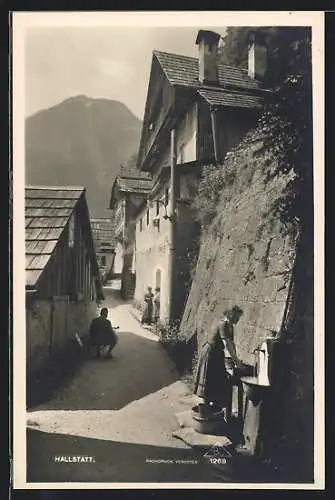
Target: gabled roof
{"points": [[133, 173], [103, 230], [184, 70], [134, 184], [131, 181], [234, 88], [47, 211], [231, 99]]}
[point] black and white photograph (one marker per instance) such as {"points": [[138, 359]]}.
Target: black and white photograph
{"points": [[168, 250]]}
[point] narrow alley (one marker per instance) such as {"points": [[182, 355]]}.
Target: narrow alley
{"points": [[120, 412], [110, 384]]}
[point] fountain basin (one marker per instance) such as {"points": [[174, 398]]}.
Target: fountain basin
{"points": [[254, 390]]}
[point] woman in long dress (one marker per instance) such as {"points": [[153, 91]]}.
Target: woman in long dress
{"points": [[148, 307], [218, 353]]}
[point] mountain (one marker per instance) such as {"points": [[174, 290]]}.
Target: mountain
{"points": [[81, 141]]}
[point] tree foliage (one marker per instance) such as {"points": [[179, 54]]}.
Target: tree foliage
{"points": [[287, 120], [235, 49], [285, 126], [288, 49]]}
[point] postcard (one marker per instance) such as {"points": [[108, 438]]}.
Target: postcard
{"points": [[168, 239]]}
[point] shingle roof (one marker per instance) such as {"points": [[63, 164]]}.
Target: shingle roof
{"points": [[54, 192], [134, 185], [103, 230], [231, 99], [47, 211], [131, 181], [184, 70], [133, 173]]}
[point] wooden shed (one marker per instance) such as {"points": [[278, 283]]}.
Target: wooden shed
{"points": [[62, 274]]}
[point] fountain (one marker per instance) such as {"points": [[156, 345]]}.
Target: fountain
{"points": [[256, 389]]}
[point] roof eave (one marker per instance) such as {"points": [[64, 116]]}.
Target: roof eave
{"points": [[227, 87], [139, 161], [135, 191], [55, 188], [214, 106], [112, 199]]}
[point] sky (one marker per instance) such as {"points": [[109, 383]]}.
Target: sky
{"points": [[109, 62]]}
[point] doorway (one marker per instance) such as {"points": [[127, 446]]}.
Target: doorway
{"points": [[158, 278]]}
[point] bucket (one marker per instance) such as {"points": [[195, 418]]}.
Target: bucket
{"points": [[206, 421]]}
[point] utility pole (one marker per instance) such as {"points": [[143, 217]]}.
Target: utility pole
{"points": [[173, 184]]}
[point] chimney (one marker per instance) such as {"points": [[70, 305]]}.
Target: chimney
{"points": [[257, 56], [208, 51]]}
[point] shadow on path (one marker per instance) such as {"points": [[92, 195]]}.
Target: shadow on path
{"points": [[139, 367], [114, 461], [122, 462], [53, 377]]}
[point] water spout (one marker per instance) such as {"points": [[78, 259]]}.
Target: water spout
{"points": [[263, 365]]}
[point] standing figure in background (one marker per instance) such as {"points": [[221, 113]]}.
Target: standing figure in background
{"points": [[157, 303], [216, 357], [148, 307]]}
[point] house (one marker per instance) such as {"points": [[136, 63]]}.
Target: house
{"points": [[254, 257], [104, 241], [62, 273], [129, 190], [196, 111]]}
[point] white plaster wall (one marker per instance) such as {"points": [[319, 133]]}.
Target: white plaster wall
{"points": [[152, 253], [118, 263], [186, 134], [153, 244]]}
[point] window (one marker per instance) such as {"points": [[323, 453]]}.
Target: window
{"points": [[166, 198], [71, 231], [148, 217], [157, 208], [141, 225], [156, 111], [103, 260], [181, 153]]}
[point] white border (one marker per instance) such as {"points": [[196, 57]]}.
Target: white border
{"points": [[24, 20]]}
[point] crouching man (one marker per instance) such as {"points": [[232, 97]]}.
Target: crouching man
{"points": [[101, 334]]}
